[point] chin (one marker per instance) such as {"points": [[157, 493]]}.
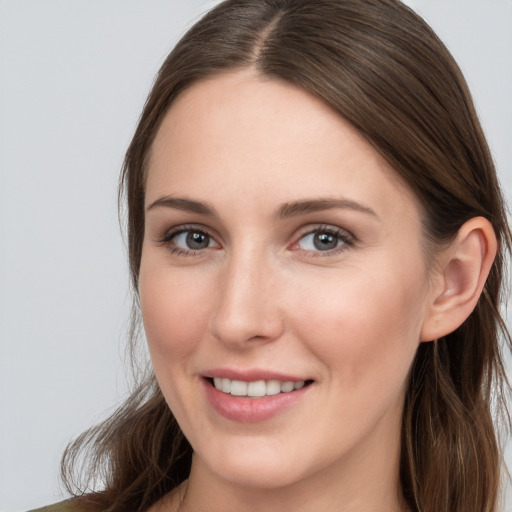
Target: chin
{"points": [[258, 476], [263, 468]]}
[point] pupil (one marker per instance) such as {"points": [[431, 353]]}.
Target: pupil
{"points": [[197, 240], [325, 241]]}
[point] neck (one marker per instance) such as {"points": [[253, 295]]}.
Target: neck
{"points": [[372, 487]]}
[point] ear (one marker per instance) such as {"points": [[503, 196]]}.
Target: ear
{"points": [[462, 270]]}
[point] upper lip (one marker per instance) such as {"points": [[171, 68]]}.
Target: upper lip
{"points": [[251, 375]]}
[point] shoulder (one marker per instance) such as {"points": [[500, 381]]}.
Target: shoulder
{"points": [[72, 505], [64, 506]]}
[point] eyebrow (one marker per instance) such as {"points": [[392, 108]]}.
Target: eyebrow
{"points": [[287, 210], [184, 204], [316, 205]]}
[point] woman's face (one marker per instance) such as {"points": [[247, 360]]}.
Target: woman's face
{"points": [[282, 258]]}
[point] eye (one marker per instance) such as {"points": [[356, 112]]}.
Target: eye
{"points": [[325, 239], [194, 240], [187, 240]]}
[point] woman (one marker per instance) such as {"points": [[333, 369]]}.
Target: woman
{"points": [[317, 240]]}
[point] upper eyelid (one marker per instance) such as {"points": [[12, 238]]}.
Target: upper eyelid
{"points": [[331, 228], [183, 228], [166, 240], [296, 237], [348, 239]]}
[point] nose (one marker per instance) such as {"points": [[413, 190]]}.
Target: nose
{"points": [[247, 312]]}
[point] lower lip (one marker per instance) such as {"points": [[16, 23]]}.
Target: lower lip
{"points": [[251, 410]]}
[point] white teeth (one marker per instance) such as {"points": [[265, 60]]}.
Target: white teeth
{"points": [[287, 386], [238, 388], [256, 388], [226, 385], [273, 387]]}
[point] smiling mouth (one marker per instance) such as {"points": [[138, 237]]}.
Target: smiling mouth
{"points": [[257, 388]]}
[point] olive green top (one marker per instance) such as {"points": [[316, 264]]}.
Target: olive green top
{"points": [[59, 507], [66, 506]]}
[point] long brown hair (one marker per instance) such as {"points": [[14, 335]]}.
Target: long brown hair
{"points": [[383, 69]]}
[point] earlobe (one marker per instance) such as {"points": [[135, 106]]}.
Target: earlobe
{"points": [[462, 271]]}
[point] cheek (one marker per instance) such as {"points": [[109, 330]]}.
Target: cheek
{"points": [[364, 326], [175, 316], [175, 312]]}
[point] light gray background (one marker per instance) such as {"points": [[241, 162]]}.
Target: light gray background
{"points": [[73, 78]]}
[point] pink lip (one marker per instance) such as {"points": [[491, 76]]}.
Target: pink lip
{"points": [[251, 410], [251, 375]]}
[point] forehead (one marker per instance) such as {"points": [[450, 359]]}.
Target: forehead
{"points": [[265, 139]]}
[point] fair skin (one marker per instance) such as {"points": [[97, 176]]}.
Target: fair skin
{"points": [[280, 246]]}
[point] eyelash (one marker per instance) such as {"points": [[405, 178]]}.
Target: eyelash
{"points": [[347, 240], [167, 240]]}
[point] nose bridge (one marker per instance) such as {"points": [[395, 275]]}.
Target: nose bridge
{"points": [[247, 307]]}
